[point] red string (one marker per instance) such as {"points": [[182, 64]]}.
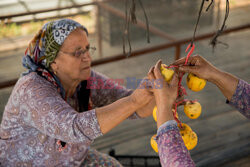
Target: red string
{"points": [[186, 100], [191, 47]]}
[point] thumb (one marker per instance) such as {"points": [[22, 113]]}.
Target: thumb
{"points": [[188, 69]]}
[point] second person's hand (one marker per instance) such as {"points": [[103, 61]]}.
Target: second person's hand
{"points": [[165, 94], [197, 65]]}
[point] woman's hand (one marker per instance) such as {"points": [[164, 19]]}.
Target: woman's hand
{"points": [[198, 66], [165, 94], [146, 110], [142, 95]]}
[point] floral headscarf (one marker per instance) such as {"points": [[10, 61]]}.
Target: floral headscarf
{"points": [[43, 48]]}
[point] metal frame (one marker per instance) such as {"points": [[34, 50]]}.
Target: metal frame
{"points": [[52, 9], [140, 23], [174, 43], [140, 52], [131, 159]]}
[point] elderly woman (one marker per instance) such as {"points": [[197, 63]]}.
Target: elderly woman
{"points": [[51, 117]]}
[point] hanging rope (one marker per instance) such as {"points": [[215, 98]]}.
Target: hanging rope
{"points": [[126, 27], [214, 40], [212, 1], [132, 12], [147, 23], [197, 22], [131, 17]]}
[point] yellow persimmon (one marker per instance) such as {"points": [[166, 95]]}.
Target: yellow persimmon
{"points": [[189, 137], [155, 113], [192, 109], [193, 140], [167, 73], [184, 127], [195, 83], [153, 143]]}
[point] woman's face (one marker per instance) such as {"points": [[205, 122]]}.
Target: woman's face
{"points": [[73, 60]]}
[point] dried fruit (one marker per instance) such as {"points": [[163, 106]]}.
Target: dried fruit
{"points": [[154, 144], [195, 83], [189, 137], [155, 114], [192, 109], [167, 73]]}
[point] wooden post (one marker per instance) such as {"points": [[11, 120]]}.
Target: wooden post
{"points": [[98, 30], [177, 52]]}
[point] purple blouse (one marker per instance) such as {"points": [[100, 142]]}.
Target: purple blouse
{"points": [[172, 150], [241, 98], [36, 118]]}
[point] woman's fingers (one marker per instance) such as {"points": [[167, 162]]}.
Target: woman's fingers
{"points": [[175, 80], [147, 84], [194, 60], [180, 61], [157, 70], [189, 69], [151, 91], [151, 73]]}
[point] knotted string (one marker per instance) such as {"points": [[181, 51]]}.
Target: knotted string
{"points": [[181, 89]]}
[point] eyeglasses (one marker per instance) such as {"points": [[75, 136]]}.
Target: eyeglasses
{"points": [[80, 52]]}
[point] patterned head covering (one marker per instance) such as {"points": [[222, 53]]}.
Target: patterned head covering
{"points": [[44, 47]]}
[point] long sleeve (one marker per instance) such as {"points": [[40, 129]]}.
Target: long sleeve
{"points": [[172, 150], [105, 91], [241, 98], [42, 107]]}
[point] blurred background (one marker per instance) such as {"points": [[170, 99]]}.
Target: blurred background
{"points": [[223, 133]]}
